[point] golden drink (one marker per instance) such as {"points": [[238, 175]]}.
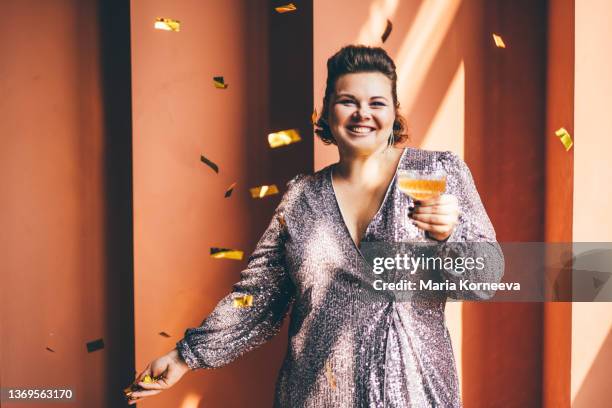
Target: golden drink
{"points": [[422, 189]]}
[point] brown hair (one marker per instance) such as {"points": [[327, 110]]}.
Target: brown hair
{"points": [[353, 59]]}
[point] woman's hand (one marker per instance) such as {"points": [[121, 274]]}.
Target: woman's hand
{"points": [[437, 216], [168, 369]]}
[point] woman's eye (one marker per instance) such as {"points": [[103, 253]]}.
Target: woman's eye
{"points": [[346, 102], [379, 104]]}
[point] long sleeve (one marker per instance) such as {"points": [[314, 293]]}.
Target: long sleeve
{"points": [[230, 331], [473, 237]]}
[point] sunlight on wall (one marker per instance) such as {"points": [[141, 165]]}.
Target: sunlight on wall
{"points": [[380, 11], [191, 401], [418, 50], [592, 322], [447, 128]]}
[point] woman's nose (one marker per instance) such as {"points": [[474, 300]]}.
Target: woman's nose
{"points": [[363, 112]]}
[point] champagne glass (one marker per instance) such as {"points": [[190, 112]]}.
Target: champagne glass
{"points": [[420, 185]]}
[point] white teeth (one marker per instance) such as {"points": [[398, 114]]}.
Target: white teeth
{"points": [[360, 129]]}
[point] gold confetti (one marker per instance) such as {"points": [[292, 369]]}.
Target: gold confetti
{"points": [[387, 31], [219, 82], [95, 345], [50, 349], [330, 375], [314, 117], [565, 138], [226, 253], [283, 138], [209, 163], [499, 42], [243, 301], [164, 334], [287, 8], [262, 191], [229, 190], [281, 221], [167, 24]]}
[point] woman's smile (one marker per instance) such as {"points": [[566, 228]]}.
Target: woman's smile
{"points": [[360, 130], [362, 112]]}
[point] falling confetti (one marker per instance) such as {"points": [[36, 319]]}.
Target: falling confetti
{"points": [[243, 301], [263, 191], [284, 137], [313, 117], [387, 31], [330, 375], [164, 334], [226, 253], [219, 82], [499, 42], [565, 138], [167, 24], [281, 221], [230, 190], [287, 8], [50, 349], [95, 345], [209, 163]]}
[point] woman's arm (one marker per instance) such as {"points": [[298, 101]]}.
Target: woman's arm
{"points": [[230, 330], [473, 236]]}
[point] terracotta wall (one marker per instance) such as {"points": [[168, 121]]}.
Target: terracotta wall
{"points": [[592, 222], [559, 197], [66, 215], [179, 207]]}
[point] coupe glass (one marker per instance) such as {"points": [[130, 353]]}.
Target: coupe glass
{"points": [[419, 185]]}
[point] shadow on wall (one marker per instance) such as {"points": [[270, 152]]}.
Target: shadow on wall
{"points": [[598, 380]]}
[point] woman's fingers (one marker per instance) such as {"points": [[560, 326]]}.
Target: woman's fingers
{"points": [[437, 229], [157, 385], [144, 393], [434, 219]]}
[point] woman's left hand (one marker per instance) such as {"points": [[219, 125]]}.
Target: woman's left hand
{"points": [[437, 216]]}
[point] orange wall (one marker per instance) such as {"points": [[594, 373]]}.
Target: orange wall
{"points": [[592, 322], [179, 207], [59, 204], [559, 190]]}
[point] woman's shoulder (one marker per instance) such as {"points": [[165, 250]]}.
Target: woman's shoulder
{"points": [[422, 158]]}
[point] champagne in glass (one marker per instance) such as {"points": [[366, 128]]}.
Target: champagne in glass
{"points": [[420, 185]]}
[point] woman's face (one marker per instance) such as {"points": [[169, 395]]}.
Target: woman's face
{"points": [[361, 112]]}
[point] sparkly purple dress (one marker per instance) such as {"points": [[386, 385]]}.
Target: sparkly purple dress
{"points": [[345, 349]]}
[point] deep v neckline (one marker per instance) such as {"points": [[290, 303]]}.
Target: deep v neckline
{"points": [[383, 203]]}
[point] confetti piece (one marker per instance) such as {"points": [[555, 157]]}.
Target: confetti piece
{"points": [[220, 82], [229, 190], [262, 191], [499, 42], [314, 117], [284, 137], [330, 375], [565, 138], [243, 301], [281, 221], [387, 31], [95, 345], [50, 349], [287, 8], [147, 379], [209, 163], [226, 253], [167, 24], [164, 334]]}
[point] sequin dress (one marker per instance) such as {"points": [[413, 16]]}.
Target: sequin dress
{"points": [[344, 349]]}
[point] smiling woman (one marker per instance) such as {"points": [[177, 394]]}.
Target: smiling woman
{"points": [[347, 349]]}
